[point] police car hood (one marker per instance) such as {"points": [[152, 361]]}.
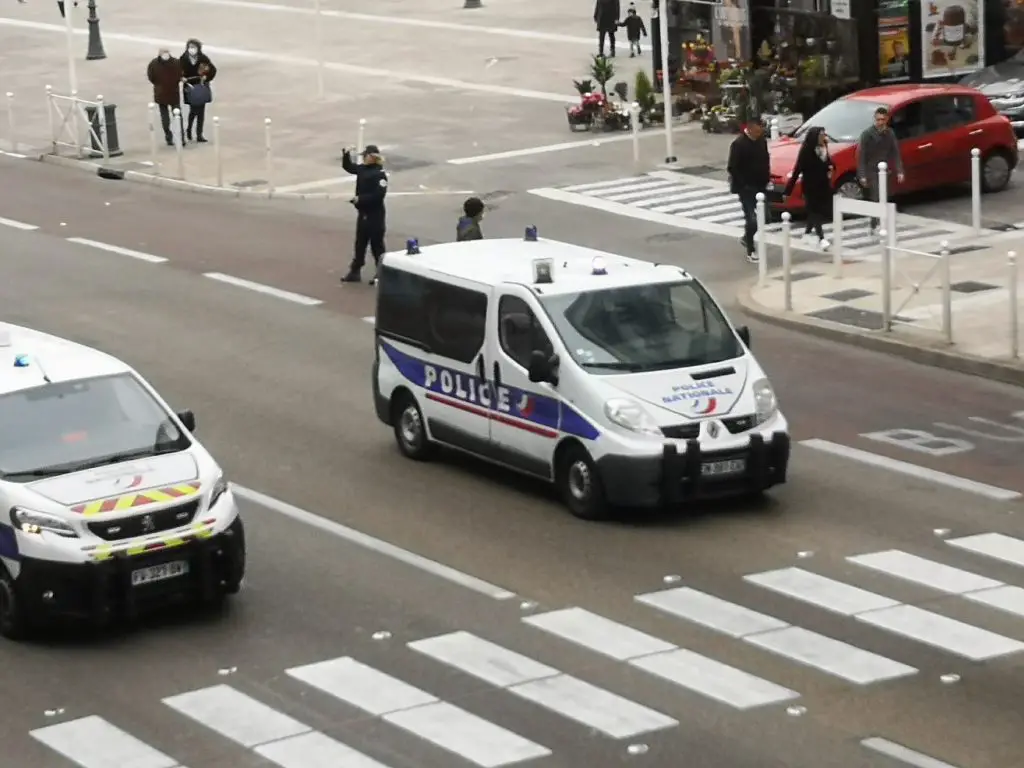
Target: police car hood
{"points": [[708, 390], [119, 479]]}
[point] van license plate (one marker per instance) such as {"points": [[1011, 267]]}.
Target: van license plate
{"points": [[160, 572], [719, 468]]}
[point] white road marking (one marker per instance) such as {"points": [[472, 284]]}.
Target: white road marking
{"points": [[832, 656], [267, 290], [373, 544], [512, 154], [603, 185], [118, 250], [689, 670], [334, 181], [928, 573], [92, 742], [607, 637], [767, 632], [563, 694], [298, 61], [1005, 598], [912, 470], [997, 546], [236, 716], [903, 754], [371, 320], [710, 611], [713, 679], [17, 224], [418, 712], [821, 591], [942, 632], [314, 750]]}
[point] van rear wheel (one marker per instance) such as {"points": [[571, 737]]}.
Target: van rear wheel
{"points": [[411, 429], [13, 623], [579, 484]]}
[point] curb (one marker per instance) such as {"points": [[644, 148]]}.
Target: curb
{"points": [[105, 172], [1005, 371]]}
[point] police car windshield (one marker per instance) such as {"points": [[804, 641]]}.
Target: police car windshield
{"points": [[642, 327], [69, 426]]}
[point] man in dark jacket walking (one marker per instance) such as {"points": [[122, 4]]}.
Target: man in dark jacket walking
{"points": [[371, 221], [606, 16], [749, 173], [878, 144], [164, 72]]}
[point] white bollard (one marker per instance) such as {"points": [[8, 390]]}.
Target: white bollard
{"points": [[947, 293], [179, 140], [11, 128], [360, 138], [976, 189], [76, 122], [319, 37], [50, 118], [153, 119], [1011, 257], [887, 276], [217, 158], [837, 238], [775, 129], [634, 127], [101, 128], [787, 261], [762, 243], [883, 186], [270, 156]]}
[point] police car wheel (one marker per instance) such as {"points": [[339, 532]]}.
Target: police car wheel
{"points": [[13, 624], [410, 430], [579, 483]]}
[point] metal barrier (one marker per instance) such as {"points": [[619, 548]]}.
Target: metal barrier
{"points": [[67, 115], [882, 210], [891, 272], [1011, 260]]}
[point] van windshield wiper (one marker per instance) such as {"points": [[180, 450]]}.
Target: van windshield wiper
{"points": [[34, 474], [117, 458], [633, 367]]}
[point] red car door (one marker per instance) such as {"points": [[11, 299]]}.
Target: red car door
{"points": [[916, 148], [950, 124]]}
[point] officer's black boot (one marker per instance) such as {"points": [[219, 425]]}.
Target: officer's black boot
{"points": [[353, 276]]}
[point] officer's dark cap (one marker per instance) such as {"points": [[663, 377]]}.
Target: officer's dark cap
{"points": [[371, 149]]}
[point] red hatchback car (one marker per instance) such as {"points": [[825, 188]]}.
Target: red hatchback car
{"points": [[937, 126]]}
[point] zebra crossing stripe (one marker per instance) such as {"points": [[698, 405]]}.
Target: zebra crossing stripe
{"points": [[92, 742], [236, 716], [546, 686], [314, 750], [418, 712], [997, 546], [689, 670], [769, 633], [593, 187]]}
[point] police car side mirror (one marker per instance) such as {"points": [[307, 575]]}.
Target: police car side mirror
{"points": [[188, 420], [744, 333], [542, 368]]}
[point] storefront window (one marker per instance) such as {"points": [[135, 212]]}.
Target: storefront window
{"points": [[1013, 26], [731, 31], [818, 48]]}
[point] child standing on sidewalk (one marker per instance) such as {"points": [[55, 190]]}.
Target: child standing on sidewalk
{"points": [[468, 227], [635, 27]]}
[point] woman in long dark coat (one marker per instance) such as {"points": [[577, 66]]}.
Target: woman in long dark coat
{"points": [[606, 17], [815, 166]]}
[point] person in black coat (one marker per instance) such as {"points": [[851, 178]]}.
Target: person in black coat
{"points": [[606, 16], [371, 220], [814, 165], [749, 169], [196, 68]]}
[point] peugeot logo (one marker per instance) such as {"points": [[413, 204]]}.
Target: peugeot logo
{"points": [[148, 524], [712, 429]]}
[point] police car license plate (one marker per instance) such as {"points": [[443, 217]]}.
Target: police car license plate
{"points": [[160, 572], [719, 468]]}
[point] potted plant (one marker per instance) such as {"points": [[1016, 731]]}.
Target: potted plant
{"points": [[644, 96]]}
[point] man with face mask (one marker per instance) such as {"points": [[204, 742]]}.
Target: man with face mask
{"points": [[164, 73], [197, 69], [371, 189]]}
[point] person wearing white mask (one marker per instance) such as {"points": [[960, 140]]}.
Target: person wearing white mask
{"points": [[198, 72], [164, 73]]}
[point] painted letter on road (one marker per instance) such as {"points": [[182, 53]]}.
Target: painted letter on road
{"points": [[921, 441], [1011, 432]]}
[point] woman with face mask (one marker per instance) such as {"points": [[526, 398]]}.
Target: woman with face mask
{"points": [[198, 72], [164, 73]]}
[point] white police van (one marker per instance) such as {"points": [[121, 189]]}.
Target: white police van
{"points": [[619, 380], [107, 501]]}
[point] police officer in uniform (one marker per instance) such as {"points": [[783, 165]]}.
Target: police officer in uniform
{"points": [[371, 189]]}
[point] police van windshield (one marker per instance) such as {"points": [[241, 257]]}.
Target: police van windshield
{"points": [[70, 426], [642, 327]]}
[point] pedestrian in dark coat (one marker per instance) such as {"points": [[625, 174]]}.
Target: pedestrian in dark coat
{"points": [[371, 220], [606, 16], [749, 170], [635, 28], [814, 165], [164, 72], [197, 69]]}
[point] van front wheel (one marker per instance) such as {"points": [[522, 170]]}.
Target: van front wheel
{"points": [[579, 484], [13, 623], [411, 429]]}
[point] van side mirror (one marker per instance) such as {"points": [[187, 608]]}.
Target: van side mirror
{"points": [[543, 368], [744, 333], [188, 419]]}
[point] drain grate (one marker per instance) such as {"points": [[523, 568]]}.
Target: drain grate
{"points": [[700, 170]]}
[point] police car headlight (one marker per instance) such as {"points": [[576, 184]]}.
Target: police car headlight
{"points": [[765, 403], [219, 489], [629, 414], [28, 521]]}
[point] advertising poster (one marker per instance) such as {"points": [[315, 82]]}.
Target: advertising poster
{"points": [[952, 37], [893, 41]]}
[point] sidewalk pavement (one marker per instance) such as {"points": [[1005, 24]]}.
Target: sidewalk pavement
{"points": [[848, 308]]}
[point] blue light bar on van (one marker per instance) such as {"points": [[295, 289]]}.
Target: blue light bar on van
{"points": [[597, 266], [21, 361], [412, 247], [531, 234]]}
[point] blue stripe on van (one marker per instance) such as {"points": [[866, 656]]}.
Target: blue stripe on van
{"points": [[8, 542], [507, 404]]}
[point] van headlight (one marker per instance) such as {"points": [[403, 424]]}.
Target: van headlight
{"points": [[219, 489], [29, 521], [629, 414], [765, 402]]}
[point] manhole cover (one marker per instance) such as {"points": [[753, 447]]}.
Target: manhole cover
{"points": [[700, 170], [671, 237], [249, 183]]}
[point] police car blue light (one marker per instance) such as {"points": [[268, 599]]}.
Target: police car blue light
{"points": [[412, 247], [21, 361], [597, 266], [531, 234]]}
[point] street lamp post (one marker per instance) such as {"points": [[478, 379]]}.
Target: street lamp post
{"points": [[95, 41]]}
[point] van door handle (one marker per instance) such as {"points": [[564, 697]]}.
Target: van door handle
{"points": [[924, 146], [480, 368], [497, 374], [976, 132]]}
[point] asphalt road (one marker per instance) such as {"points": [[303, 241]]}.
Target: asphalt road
{"points": [[281, 394]]}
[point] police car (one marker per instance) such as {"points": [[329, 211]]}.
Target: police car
{"points": [[107, 501], [620, 381]]}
